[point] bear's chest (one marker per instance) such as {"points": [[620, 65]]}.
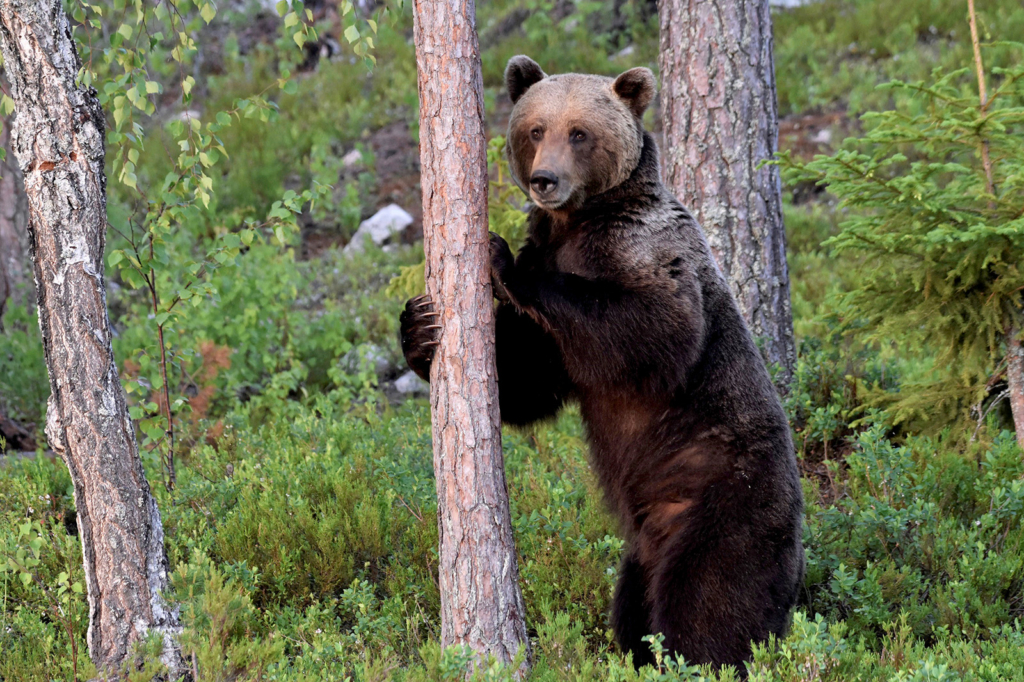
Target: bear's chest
{"points": [[588, 251], [581, 255], [571, 260]]}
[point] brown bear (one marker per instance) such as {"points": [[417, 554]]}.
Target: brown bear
{"points": [[615, 302]]}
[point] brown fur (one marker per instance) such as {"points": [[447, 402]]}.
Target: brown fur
{"points": [[549, 115]]}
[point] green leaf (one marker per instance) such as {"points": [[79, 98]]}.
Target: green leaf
{"points": [[208, 12], [133, 278], [351, 34], [282, 8], [125, 31]]}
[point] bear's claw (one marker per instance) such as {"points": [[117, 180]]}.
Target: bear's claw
{"points": [[419, 333]]}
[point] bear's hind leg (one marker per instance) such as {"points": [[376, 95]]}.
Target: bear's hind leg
{"points": [[705, 600], [631, 612]]}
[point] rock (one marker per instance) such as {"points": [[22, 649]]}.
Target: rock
{"points": [[382, 226], [411, 385], [352, 159], [371, 354], [624, 52], [822, 136]]}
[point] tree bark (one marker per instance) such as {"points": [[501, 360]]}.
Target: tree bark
{"points": [[5, 287], [58, 141], [720, 121], [481, 604], [13, 230], [1015, 381]]}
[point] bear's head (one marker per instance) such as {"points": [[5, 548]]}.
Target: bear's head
{"points": [[572, 136]]}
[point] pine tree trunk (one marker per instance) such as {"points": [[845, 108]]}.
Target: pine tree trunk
{"points": [[1015, 381], [5, 287], [481, 604], [58, 141], [14, 267], [720, 121]]}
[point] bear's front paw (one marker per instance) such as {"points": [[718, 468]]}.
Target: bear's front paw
{"points": [[502, 265], [419, 334]]}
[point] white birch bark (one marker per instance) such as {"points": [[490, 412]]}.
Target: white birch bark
{"points": [[58, 141]]}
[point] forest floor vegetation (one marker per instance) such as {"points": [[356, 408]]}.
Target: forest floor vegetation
{"points": [[302, 532]]}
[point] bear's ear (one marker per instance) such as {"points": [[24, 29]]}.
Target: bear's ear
{"points": [[520, 74], [636, 88]]}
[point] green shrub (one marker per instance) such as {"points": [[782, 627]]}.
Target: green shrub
{"points": [[939, 233], [23, 368], [923, 533]]}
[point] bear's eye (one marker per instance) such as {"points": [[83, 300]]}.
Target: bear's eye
{"points": [[578, 136], [536, 133]]}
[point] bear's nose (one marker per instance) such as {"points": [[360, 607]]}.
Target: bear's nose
{"points": [[543, 181]]}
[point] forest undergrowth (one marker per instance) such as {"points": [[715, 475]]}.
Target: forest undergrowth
{"points": [[301, 527]]}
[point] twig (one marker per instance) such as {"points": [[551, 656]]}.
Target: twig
{"points": [[981, 420], [986, 161]]}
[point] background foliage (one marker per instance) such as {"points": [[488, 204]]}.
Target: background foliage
{"points": [[301, 530]]}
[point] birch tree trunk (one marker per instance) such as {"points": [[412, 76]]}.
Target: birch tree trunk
{"points": [[481, 603], [720, 121], [58, 141], [13, 230]]}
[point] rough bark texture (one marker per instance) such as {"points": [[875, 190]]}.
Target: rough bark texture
{"points": [[5, 287], [14, 266], [481, 603], [720, 121], [1015, 381], [58, 141]]}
